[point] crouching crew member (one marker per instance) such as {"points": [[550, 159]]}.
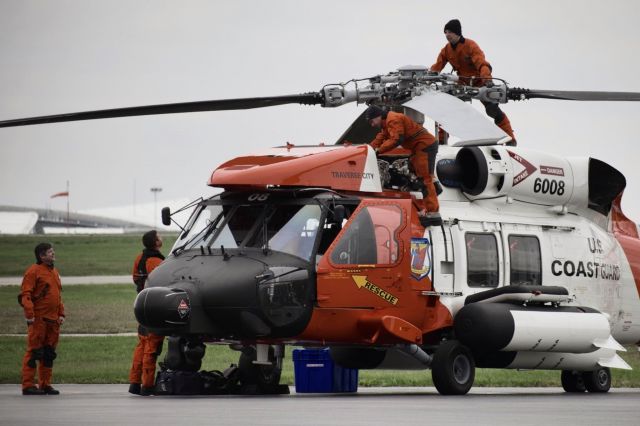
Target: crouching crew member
{"points": [[467, 59], [143, 367], [41, 298], [399, 130]]}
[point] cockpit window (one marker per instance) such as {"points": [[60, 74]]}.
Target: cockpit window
{"points": [[371, 239], [205, 227], [290, 228]]}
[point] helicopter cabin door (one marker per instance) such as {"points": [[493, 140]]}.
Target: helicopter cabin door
{"points": [[362, 267]]}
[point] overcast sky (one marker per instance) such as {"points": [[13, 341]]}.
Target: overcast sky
{"points": [[66, 56]]}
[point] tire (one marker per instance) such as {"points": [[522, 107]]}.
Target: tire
{"points": [[572, 381], [453, 368], [264, 376], [598, 381]]}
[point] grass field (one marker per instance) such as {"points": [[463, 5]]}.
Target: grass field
{"points": [[89, 309], [76, 255], [108, 309]]}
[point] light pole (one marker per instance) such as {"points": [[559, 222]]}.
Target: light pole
{"points": [[155, 191]]}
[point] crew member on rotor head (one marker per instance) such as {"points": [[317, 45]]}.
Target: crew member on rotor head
{"points": [[399, 130], [143, 367], [41, 299], [467, 59]]}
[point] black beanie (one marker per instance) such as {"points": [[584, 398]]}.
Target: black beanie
{"points": [[454, 26], [372, 112]]}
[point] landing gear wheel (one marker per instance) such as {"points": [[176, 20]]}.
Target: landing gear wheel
{"points": [[598, 381], [572, 381], [260, 379], [453, 368]]}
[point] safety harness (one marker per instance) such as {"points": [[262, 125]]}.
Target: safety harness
{"points": [[141, 270]]}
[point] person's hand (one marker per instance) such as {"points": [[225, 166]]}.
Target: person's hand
{"points": [[60, 320], [30, 321]]}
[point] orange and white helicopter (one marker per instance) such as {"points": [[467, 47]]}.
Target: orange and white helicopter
{"points": [[533, 265]]}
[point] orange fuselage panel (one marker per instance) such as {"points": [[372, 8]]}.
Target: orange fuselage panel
{"points": [[335, 167]]}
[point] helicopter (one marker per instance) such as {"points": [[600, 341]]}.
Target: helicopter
{"points": [[532, 264]]}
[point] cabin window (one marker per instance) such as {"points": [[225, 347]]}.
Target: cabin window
{"points": [[371, 238], [482, 260], [526, 265]]}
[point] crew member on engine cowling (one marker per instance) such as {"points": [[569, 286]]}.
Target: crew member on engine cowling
{"points": [[399, 130], [41, 298], [143, 367], [468, 61]]}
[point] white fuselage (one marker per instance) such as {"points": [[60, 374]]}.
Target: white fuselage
{"points": [[499, 241]]}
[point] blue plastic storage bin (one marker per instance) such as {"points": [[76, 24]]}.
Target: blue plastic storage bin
{"points": [[315, 372]]}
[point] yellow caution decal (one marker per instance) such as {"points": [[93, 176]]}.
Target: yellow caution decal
{"points": [[361, 282]]}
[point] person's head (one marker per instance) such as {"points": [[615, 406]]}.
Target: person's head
{"points": [[374, 115], [45, 254], [152, 240], [453, 31]]}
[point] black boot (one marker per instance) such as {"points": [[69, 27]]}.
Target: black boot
{"points": [[134, 388], [49, 390], [32, 390], [146, 391], [430, 219], [438, 187]]}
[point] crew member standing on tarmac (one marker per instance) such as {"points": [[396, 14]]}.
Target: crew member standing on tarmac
{"points": [[467, 59], [143, 368], [399, 130], [41, 298]]}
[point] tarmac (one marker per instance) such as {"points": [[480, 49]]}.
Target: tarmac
{"points": [[111, 404]]}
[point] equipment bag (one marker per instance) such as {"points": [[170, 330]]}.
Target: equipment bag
{"points": [[178, 382]]}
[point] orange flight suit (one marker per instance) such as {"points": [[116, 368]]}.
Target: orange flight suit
{"points": [[41, 298], [400, 130], [467, 59], [143, 366]]}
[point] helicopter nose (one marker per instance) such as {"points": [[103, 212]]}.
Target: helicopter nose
{"points": [[248, 296], [162, 307]]}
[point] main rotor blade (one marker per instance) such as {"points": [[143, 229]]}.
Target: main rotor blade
{"points": [[569, 95], [310, 98]]}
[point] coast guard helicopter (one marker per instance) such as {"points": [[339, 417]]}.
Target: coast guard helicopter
{"points": [[533, 265]]}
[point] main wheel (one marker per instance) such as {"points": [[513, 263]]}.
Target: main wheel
{"points": [[572, 381], [453, 368], [598, 381]]}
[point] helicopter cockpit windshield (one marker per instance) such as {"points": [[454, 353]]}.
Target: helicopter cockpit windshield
{"points": [[288, 227]]}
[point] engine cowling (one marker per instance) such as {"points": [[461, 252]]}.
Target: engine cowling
{"points": [[573, 183]]}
